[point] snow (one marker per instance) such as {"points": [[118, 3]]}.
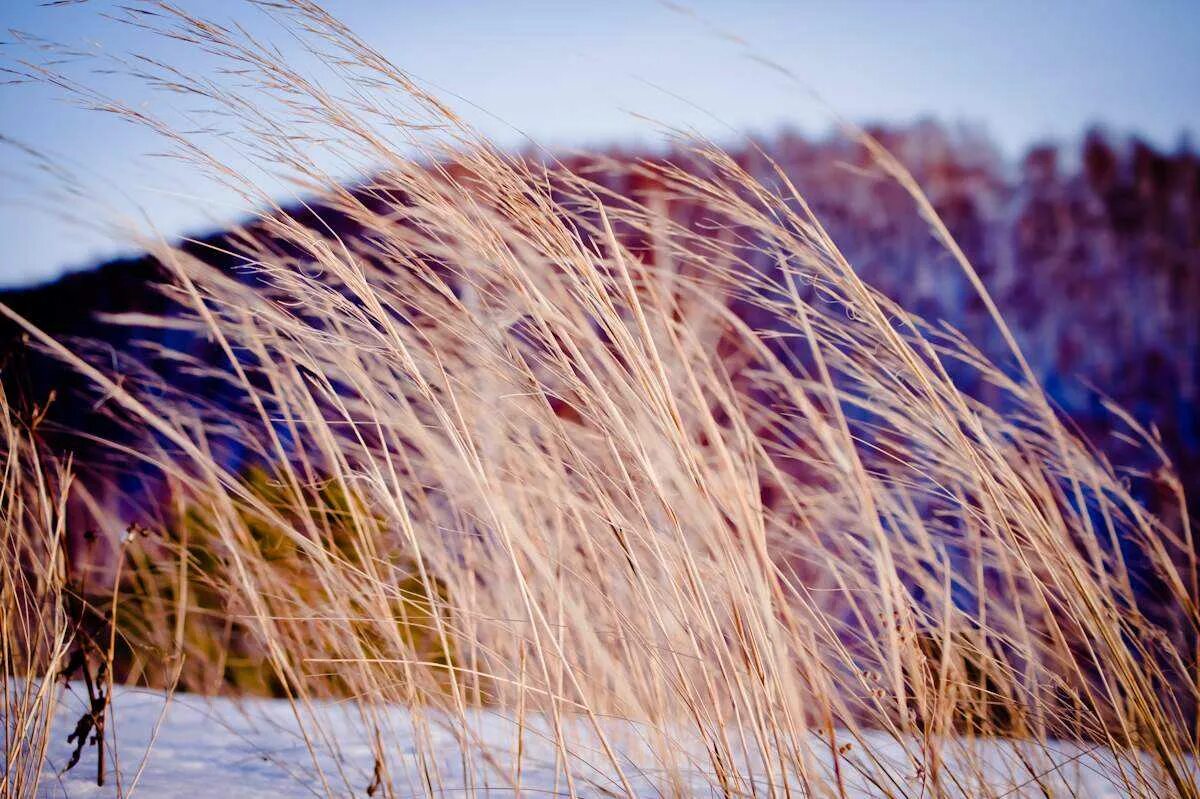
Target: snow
{"points": [[255, 748]]}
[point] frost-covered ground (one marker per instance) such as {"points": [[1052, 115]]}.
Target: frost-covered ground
{"points": [[216, 747]]}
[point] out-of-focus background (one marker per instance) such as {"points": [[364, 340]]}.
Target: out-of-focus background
{"points": [[1053, 139], [583, 74]]}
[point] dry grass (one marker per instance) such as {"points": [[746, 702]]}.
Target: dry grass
{"points": [[35, 632], [719, 485]]}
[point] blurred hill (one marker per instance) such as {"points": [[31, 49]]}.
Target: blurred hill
{"points": [[1092, 254]]}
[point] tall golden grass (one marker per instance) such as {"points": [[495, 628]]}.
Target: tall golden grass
{"points": [[35, 631], [715, 484]]}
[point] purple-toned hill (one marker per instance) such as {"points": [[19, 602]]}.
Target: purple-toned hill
{"points": [[1091, 253]]}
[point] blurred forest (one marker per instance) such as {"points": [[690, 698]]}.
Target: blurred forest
{"points": [[1090, 251]]}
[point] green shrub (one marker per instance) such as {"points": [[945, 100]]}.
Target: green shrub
{"points": [[183, 595]]}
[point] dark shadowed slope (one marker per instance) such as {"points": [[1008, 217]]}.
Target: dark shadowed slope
{"points": [[1093, 256]]}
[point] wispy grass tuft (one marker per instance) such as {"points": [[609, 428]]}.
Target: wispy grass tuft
{"points": [[35, 629]]}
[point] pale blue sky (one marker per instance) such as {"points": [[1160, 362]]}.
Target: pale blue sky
{"points": [[571, 73]]}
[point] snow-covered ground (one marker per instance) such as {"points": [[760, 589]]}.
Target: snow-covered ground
{"points": [[218, 747]]}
